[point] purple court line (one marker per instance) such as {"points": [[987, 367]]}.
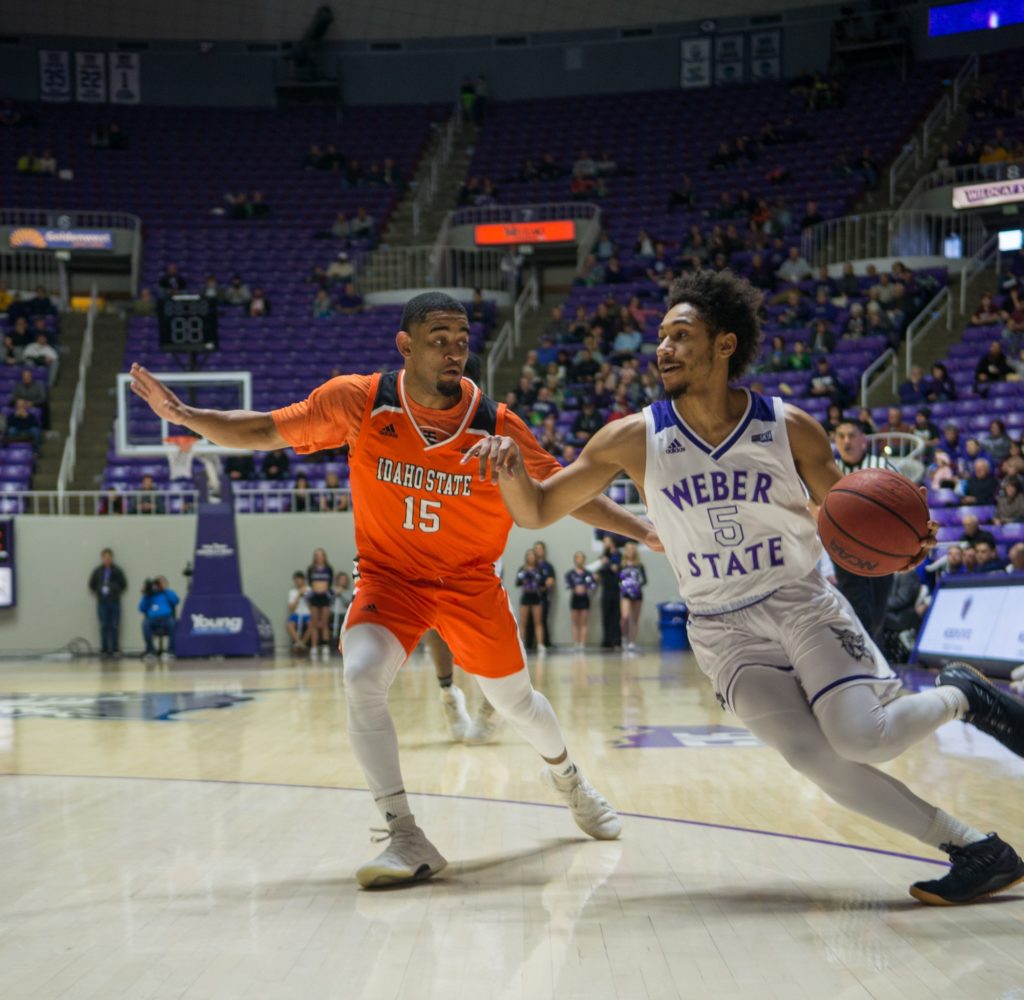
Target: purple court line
{"points": [[508, 802]]}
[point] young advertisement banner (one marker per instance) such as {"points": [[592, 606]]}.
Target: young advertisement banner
{"points": [[124, 78], [54, 75], [696, 63], [90, 77]]}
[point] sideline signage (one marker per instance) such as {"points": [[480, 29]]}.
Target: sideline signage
{"points": [[504, 233]]}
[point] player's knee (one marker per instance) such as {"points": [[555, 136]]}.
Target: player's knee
{"points": [[802, 751], [860, 739]]}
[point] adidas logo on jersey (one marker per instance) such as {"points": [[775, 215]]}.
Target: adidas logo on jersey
{"points": [[675, 447], [765, 438], [388, 431]]}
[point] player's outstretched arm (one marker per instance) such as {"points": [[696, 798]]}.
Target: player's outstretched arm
{"points": [[247, 429], [576, 489]]}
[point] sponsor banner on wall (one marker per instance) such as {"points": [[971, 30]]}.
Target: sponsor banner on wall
{"points": [[91, 77], [124, 78], [729, 59], [54, 75], [33, 238], [765, 55], [990, 193], [696, 63]]}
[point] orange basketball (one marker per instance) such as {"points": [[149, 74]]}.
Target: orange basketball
{"points": [[872, 522]]}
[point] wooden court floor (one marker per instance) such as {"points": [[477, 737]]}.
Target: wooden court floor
{"points": [[192, 831]]}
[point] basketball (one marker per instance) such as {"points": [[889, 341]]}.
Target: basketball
{"points": [[873, 522]]}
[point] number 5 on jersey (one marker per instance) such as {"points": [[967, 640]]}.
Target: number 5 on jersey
{"points": [[728, 531], [429, 521]]}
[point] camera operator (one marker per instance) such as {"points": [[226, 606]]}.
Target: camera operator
{"points": [[158, 605]]}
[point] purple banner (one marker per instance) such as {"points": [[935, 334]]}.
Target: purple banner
{"points": [[217, 618]]}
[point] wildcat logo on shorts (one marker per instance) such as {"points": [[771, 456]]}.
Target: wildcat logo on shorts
{"points": [[852, 642]]}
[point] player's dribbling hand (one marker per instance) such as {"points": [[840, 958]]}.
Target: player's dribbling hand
{"points": [[500, 453], [161, 400], [927, 543]]}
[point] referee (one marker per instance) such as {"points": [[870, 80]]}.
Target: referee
{"points": [[867, 594]]}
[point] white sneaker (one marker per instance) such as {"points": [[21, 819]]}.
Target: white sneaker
{"points": [[593, 815], [453, 701], [410, 857], [483, 725]]}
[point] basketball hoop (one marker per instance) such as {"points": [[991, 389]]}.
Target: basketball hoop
{"points": [[179, 458]]}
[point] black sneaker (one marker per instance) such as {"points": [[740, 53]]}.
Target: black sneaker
{"points": [[979, 869], [991, 710]]}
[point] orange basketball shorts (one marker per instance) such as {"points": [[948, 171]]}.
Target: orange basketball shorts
{"points": [[472, 613]]}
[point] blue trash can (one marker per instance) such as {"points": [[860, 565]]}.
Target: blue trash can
{"points": [[672, 625]]}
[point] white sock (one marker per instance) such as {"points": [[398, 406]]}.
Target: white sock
{"points": [[945, 829], [393, 807], [954, 698], [566, 770]]}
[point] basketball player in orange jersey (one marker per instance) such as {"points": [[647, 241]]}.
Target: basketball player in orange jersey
{"points": [[428, 537], [725, 474]]}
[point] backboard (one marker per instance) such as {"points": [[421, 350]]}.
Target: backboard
{"points": [[138, 431]]}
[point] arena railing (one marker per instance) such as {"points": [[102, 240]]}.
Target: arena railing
{"points": [[68, 459], [938, 310], [431, 267], [900, 233], [431, 171], [61, 218], [29, 270], [554, 210], [504, 346], [867, 378], [916, 148], [905, 452], [969, 173], [988, 256]]}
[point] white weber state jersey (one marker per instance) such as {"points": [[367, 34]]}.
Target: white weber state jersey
{"points": [[733, 518]]}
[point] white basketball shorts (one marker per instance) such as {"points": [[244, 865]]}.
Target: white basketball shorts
{"points": [[806, 628]]}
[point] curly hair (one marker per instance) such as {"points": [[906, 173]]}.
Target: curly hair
{"points": [[727, 303]]}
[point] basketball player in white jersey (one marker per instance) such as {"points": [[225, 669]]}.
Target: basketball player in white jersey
{"points": [[726, 475]]}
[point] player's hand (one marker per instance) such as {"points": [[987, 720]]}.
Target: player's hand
{"points": [[497, 455], [161, 400], [927, 543], [652, 541]]}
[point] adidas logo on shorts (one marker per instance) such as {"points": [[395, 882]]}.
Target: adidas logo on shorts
{"points": [[675, 447], [388, 431]]}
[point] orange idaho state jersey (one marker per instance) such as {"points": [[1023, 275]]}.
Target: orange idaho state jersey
{"points": [[419, 511]]}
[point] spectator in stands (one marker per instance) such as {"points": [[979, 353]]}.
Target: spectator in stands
{"points": [[275, 465], [825, 383], [988, 558], [335, 497], [1016, 567], [942, 388], [47, 164], [340, 269], [856, 324], [171, 281], [823, 340], [11, 353], [210, 289], [986, 314], [236, 293], [812, 217], [341, 228], [1010, 502], [350, 302], [240, 467], [980, 486], [259, 305], [924, 428], [941, 473], [1013, 315], [796, 312], [363, 226], [323, 307], [778, 357], [549, 169], [895, 424], [543, 407], [794, 268], [833, 419], [144, 305], [587, 422], [22, 425], [313, 160], [34, 394], [997, 442], [877, 324], [43, 354], [684, 193], [799, 359], [550, 438], [628, 340], [973, 533], [954, 562], [915, 389], [149, 500], [991, 367]]}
